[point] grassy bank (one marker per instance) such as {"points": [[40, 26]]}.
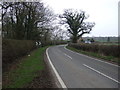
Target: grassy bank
{"points": [[96, 55], [25, 71]]}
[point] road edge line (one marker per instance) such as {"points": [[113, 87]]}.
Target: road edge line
{"points": [[92, 57], [55, 71]]}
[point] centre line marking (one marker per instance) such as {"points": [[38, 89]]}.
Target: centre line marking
{"points": [[101, 73], [68, 56]]}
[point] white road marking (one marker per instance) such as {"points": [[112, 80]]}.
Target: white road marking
{"points": [[63, 52], [92, 58], [55, 71], [67, 56], [101, 73]]}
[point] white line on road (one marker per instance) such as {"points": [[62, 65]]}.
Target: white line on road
{"points": [[67, 56], [55, 71], [100, 73], [92, 58]]}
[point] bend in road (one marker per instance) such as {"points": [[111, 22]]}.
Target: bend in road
{"points": [[78, 71]]}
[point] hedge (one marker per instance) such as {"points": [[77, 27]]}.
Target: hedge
{"points": [[13, 49], [53, 43], [108, 50]]}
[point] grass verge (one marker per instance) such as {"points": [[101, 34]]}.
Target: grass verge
{"points": [[26, 70], [96, 55]]}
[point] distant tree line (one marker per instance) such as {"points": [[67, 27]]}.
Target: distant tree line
{"points": [[103, 39]]}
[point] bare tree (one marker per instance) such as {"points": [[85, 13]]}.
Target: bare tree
{"points": [[75, 23]]}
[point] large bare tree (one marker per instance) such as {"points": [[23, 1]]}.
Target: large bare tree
{"points": [[76, 24]]}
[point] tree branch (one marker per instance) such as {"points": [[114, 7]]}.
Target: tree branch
{"points": [[70, 31]]}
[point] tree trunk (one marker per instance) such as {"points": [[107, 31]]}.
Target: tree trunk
{"points": [[74, 40]]}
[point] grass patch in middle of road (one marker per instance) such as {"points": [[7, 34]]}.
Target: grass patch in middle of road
{"points": [[26, 71], [97, 55]]}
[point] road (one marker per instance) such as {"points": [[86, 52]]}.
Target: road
{"points": [[80, 71]]}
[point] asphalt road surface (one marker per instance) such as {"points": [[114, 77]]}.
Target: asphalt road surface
{"points": [[80, 71]]}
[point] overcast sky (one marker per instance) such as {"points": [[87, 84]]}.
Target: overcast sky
{"points": [[103, 12]]}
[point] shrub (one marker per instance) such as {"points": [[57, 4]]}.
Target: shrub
{"points": [[108, 50], [13, 49], [53, 43]]}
